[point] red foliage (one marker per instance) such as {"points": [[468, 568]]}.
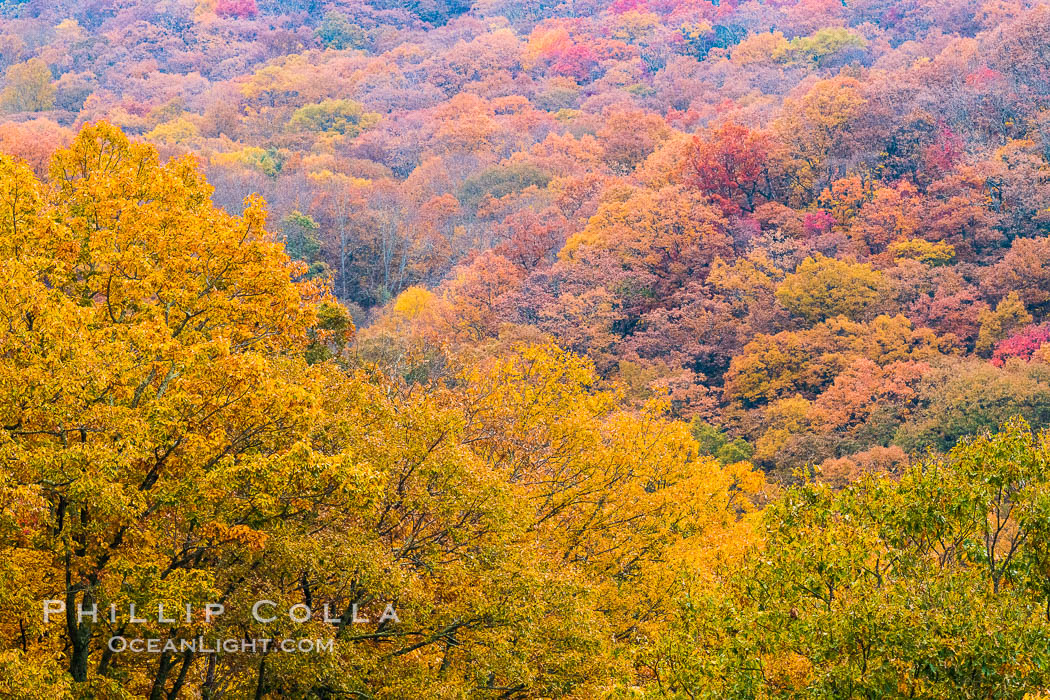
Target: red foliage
{"points": [[532, 241], [34, 142], [1022, 345], [817, 223], [983, 77], [682, 119], [577, 61], [730, 167], [945, 152], [240, 9]]}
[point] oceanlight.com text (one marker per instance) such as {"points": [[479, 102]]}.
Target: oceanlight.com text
{"points": [[200, 645]]}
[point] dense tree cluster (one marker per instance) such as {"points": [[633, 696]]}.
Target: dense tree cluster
{"points": [[182, 426], [932, 585], [541, 294]]}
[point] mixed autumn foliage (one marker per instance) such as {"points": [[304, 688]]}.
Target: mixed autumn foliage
{"points": [[181, 425], [647, 348]]}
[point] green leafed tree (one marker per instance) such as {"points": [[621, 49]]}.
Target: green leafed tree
{"points": [[338, 32], [932, 585], [333, 116]]}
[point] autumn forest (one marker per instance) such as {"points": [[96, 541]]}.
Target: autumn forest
{"points": [[522, 349]]}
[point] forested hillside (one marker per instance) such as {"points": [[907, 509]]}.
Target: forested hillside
{"points": [[646, 348]]}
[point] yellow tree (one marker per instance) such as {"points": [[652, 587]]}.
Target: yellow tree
{"points": [[623, 500], [29, 87], [153, 350], [812, 129], [824, 287]]}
